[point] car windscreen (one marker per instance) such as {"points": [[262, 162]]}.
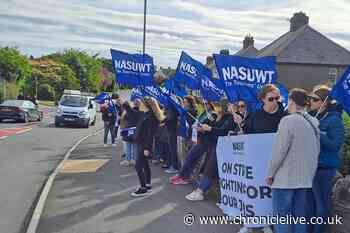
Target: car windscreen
{"points": [[74, 101], [12, 103]]}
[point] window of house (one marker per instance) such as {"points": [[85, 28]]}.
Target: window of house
{"points": [[333, 75]]}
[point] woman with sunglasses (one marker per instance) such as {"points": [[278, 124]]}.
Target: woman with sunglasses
{"points": [[332, 137], [267, 119], [144, 136]]}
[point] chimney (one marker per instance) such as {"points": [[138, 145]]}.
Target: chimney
{"points": [[298, 20], [210, 60], [248, 41], [225, 52]]}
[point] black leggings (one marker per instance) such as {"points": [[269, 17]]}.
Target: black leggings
{"points": [[142, 167]]}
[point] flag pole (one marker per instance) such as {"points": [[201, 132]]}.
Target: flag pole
{"points": [[144, 27]]}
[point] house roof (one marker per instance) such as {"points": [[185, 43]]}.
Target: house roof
{"points": [[306, 46], [250, 51]]}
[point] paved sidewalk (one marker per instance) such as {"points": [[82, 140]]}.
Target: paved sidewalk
{"points": [[100, 202]]}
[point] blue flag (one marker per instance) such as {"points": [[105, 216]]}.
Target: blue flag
{"points": [[209, 90], [133, 69], [103, 98], [284, 94], [136, 93], [242, 77], [341, 91], [157, 93], [175, 87], [189, 70]]}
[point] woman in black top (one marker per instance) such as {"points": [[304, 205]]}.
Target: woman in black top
{"points": [[268, 118], [144, 135]]}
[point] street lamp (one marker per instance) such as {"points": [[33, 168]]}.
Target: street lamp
{"points": [[144, 27]]}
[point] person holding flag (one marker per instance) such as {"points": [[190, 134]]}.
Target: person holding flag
{"points": [[144, 136], [332, 130], [109, 116]]}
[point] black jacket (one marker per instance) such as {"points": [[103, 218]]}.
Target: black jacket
{"points": [[219, 128], [171, 121], [109, 116], [132, 116], [145, 130], [264, 122]]}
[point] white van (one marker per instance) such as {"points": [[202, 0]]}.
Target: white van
{"points": [[76, 108]]}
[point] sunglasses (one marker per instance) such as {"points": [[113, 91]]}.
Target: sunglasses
{"points": [[271, 99], [241, 106], [315, 99]]}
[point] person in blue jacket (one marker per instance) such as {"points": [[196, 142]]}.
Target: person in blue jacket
{"points": [[332, 133]]}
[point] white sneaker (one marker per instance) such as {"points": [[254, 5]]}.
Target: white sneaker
{"points": [[125, 163], [104, 145], [267, 230], [132, 162], [196, 195]]}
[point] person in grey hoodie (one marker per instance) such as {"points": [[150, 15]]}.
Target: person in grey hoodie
{"points": [[294, 162]]}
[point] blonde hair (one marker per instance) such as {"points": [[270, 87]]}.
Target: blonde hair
{"points": [[153, 105]]}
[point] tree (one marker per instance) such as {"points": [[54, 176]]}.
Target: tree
{"points": [[48, 72], [86, 68], [13, 65]]}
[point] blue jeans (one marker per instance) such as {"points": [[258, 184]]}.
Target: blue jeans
{"points": [[322, 187], [130, 151], [292, 202], [196, 152], [205, 184]]}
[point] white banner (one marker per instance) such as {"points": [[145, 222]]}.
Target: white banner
{"points": [[243, 163]]}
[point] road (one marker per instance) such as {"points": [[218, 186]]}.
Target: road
{"points": [[27, 159]]}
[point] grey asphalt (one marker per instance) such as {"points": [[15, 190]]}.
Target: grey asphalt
{"points": [[100, 202], [26, 162]]}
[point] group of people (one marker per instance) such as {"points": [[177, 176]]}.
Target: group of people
{"points": [[305, 155]]}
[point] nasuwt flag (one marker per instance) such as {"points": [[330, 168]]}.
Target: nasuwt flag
{"points": [[243, 77], [136, 93], [157, 93], [341, 91], [209, 90], [105, 98], [188, 71], [133, 69], [175, 87], [101, 98]]}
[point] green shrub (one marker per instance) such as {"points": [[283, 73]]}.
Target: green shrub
{"points": [[345, 153], [46, 92]]}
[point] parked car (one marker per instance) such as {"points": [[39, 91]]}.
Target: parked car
{"points": [[76, 109], [20, 110]]}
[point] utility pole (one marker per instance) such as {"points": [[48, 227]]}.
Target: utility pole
{"points": [[144, 27], [36, 87]]}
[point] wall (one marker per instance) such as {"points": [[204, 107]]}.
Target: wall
{"points": [[305, 76]]}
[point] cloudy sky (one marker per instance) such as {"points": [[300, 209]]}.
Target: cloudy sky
{"points": [[199, 27]]}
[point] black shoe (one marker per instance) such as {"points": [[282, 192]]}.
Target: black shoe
{"points": [[149, 188], [164, 166], [140, 192]]}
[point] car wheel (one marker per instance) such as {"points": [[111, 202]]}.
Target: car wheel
{"points": [[40, 117], [57, 124], [26, 118]]}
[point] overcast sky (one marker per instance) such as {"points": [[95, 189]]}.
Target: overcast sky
{"points": [[199, 27]]}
